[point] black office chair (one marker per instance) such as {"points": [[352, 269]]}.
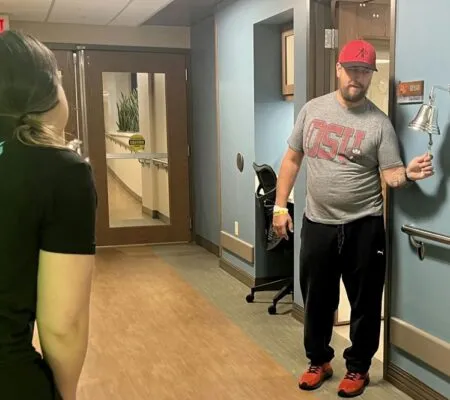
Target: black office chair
{"points": [[277, 250]]}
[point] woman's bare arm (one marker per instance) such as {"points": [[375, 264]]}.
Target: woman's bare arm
{"points": [[64, 287]]}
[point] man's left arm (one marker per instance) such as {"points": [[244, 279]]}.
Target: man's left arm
{"points": [[394, 173]]}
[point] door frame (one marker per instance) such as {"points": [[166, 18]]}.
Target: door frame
{"points": [[67, 63], [186, 53], [387, 370]]}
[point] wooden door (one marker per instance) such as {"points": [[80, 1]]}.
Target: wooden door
{"points": [[139, 99]]}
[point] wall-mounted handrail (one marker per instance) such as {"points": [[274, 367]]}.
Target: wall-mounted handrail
{"points": [[161, 163], [118, 141], [414, 232], [135, 156], [424, 234]]}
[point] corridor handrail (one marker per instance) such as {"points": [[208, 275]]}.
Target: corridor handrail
{"points": [[424, 234], [414, 232]]}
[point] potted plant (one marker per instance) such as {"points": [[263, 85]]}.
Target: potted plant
{"points": [[128, 113]]}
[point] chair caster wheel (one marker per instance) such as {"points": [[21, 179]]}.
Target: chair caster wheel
{"points": [[250, 298], [272, 310]]}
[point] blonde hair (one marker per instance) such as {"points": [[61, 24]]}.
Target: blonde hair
{"points": [[33, 132]]}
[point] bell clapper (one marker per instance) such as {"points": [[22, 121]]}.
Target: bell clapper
{"points": [[430, 144]]}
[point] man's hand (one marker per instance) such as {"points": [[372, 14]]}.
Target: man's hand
{"points": [[420, 167], [282, 222]]}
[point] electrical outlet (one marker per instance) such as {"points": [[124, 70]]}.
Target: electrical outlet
{"points": [[236, 228]]}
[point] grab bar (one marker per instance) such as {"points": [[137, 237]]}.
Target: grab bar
{"points": [[414, 232]]}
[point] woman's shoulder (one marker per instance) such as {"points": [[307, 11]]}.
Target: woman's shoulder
{"points": [[54, 157], [63, 155], [55, 164]]}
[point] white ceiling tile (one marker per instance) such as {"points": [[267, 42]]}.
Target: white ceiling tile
{"points": [[26, 10], [95, 12], [139, 11]]}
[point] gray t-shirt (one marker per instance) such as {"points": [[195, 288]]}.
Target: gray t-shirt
{"points": [[344, 149]]}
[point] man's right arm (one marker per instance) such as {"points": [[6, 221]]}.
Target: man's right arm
{"points": [[292, 161], [288, 173], [286, 177]]}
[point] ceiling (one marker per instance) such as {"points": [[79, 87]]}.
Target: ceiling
{"points": [[94, 12], [186, 12]]}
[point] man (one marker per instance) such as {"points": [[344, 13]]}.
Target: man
{"points": [[346, 142]]}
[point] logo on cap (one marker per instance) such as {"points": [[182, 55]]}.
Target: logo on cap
{"points": [[358, 53], [362, 53]]}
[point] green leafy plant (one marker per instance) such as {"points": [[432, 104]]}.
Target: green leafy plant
{"points": [[128, 112]]}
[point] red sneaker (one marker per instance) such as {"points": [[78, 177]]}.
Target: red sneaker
{"points": [[314, 377], [353, 384]]}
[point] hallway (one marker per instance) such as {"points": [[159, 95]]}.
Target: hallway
{"points": [[155, 337], [167, 323], [124, 209]]}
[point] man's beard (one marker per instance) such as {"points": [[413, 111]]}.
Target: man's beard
{"points": [[353, 98]]}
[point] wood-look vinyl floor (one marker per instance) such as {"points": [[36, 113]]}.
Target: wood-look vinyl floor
{"points": [[154, 337]]}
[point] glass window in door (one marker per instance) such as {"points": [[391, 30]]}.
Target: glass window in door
{"points": [[136, 148]]}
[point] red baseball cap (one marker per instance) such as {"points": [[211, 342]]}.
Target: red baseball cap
{"points": [[358, 53]]}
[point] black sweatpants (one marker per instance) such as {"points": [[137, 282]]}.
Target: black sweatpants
{"points": [[355, 251]]}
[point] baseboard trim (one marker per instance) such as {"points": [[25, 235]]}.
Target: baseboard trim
{"points": [[410, 385], [147, 211], [298, 312], [237, 273], [124, 185], [207, 245], [162, 217], [244, 277]]}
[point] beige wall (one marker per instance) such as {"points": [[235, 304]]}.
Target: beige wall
{"points": [[128, 171], [149, 36], [160, 176]]}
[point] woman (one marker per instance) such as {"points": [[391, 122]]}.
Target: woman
{"points": [[47, 229]]}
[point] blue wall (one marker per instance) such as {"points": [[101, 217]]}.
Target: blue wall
{"points": [[274, 117], [421, 294], [204, 135], [235, 30]]}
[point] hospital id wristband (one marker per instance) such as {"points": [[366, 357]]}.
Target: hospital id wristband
{"points": [[277, 210]]}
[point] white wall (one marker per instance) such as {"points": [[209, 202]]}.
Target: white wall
{"points": [[149, 36]]}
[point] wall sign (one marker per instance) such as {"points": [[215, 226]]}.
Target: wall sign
{"points": [[410, 92], [137, 142], [4, 23]]}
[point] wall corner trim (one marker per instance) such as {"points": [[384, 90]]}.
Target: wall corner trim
{"points": [[430, 349], [237, 246]]}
